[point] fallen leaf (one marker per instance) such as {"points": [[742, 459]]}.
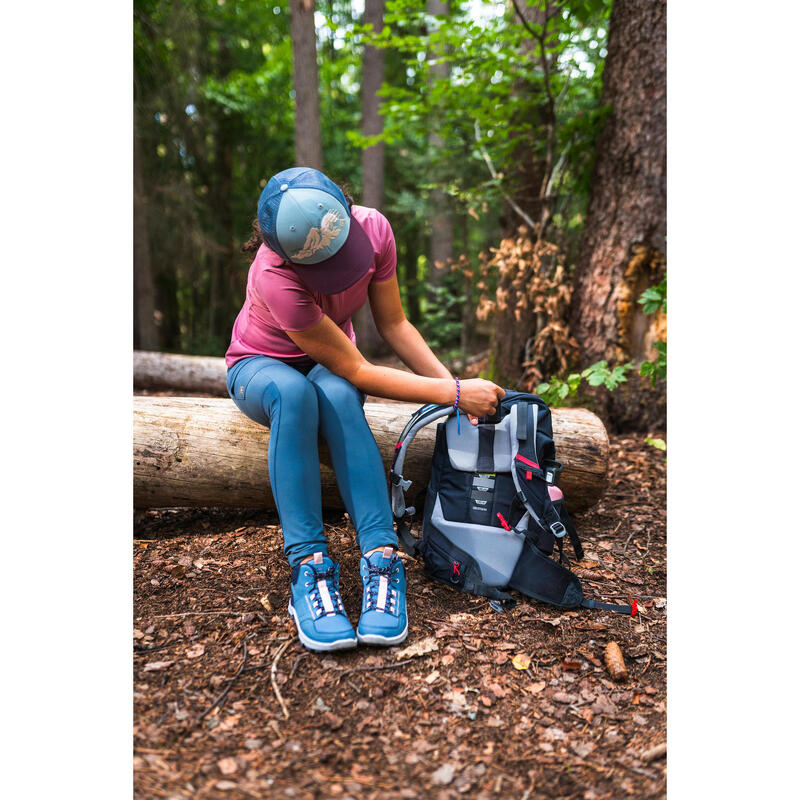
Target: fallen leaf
{"points": [[264, 600], [154, 666], [565, 697], [500, 659], [227, 766], [444, 774], [420, 648], [432, 677], [196, 651], [571, 666], [537, 687], [521, 661]]}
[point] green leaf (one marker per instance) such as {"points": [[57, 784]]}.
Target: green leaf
{"points": [[659, 444]]}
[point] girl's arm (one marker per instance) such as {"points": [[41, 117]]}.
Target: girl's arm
{"points": [[327, 344], [399, 333]]}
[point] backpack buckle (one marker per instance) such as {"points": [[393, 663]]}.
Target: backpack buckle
{"points": [[558, 530]]}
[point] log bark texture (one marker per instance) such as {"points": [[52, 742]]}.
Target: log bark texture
{"points": [[203, 452], [205, 374]]}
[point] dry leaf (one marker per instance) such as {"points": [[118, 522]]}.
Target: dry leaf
{"points": [[227, 766], [420, 648], [615, 663], [521, 661], [153, 666], [537, 687], [432, 677], [265, 602], [196, 651]]}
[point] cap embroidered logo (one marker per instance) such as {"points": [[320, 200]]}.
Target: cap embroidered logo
{"points": [[329, 228]]}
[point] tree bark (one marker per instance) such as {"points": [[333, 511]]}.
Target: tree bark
{"points": [[307, 133], [200, 452], [168, 371], [372, 162], [511, 334], [441, 220], [145, 332], [623, 247]]}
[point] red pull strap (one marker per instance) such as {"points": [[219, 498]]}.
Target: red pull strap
{"points": [[503, 522]]}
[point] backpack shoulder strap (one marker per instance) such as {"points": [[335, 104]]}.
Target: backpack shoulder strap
{"points": [[399, 486]]}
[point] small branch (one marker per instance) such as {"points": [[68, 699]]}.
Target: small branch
{"points": [[345, 671], [274, 674], [224, 694], [493, 172]]}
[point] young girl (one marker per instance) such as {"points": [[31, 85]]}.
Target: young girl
{"points": [[293, 365]]}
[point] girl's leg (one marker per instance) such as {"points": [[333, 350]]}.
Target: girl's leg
{"points": [[356, 459], [276, 395]]}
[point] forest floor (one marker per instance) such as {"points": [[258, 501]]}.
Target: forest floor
{"points": [[444, 715]]}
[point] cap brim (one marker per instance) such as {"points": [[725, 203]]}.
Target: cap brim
{"points": [[341, 271]]}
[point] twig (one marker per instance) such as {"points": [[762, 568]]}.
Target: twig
{"points": [[273, 675], [212, 612], [628, 541], [493, 171], [141, 648], [230, 683], [345, 671]]}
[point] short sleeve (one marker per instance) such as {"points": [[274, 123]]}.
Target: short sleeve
{"points": [[292, 306], [386, 262]]}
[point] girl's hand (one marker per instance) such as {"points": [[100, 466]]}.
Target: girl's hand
{"points": [[479, 398]]}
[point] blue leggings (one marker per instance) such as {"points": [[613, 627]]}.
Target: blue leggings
{"points": [[296, 408]]}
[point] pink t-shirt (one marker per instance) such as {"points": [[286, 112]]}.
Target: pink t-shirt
{"points": [[278, 300]]}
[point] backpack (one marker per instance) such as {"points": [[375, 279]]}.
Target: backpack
{"points": [[493, 511]]}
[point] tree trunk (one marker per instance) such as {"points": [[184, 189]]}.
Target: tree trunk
{"points": [[372, 159], [307, 134], [510, 333], [623, 247], [204, 452], [171, 372], [145, 332], [441, 219]]}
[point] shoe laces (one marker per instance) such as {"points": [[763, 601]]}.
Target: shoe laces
{"points": [[325, 588], [377, 579]]}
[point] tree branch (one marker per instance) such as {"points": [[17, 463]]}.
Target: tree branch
{"points": [[493, 172]]}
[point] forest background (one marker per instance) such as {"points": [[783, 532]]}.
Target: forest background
{"points": [[519, 152]]}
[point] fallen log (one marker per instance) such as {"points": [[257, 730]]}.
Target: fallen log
{"points": [[203, 452], [160, 371]]}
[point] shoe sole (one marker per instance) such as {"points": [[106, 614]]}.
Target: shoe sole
{"points": [[386, 641], [320, 647]]}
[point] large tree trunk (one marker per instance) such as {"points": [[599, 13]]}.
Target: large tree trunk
{"points": [[204, 452], [372, 159], [511, 334], [623, 247], [145, 333], [441, 220], [307, 135]]}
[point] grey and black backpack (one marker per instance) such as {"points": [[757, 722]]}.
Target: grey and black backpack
{"points": [[493, 510]]}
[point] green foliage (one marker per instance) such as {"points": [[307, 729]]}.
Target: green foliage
{"points": [[659, 444], [654, 299], [441, 324], [555, 391]]}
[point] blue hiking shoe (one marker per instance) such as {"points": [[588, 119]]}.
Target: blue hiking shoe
{"points": [[316, 606], [383, 609]]}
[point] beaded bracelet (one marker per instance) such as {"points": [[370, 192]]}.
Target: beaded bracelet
{"points": [[455, 406]]}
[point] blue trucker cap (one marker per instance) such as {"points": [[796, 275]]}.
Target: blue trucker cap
{"points": [[304, 218]]}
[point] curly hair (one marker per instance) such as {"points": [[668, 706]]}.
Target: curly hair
{"points": [[250, 247]]}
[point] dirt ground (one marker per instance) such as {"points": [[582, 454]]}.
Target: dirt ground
{"points": [[214, 648]]}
